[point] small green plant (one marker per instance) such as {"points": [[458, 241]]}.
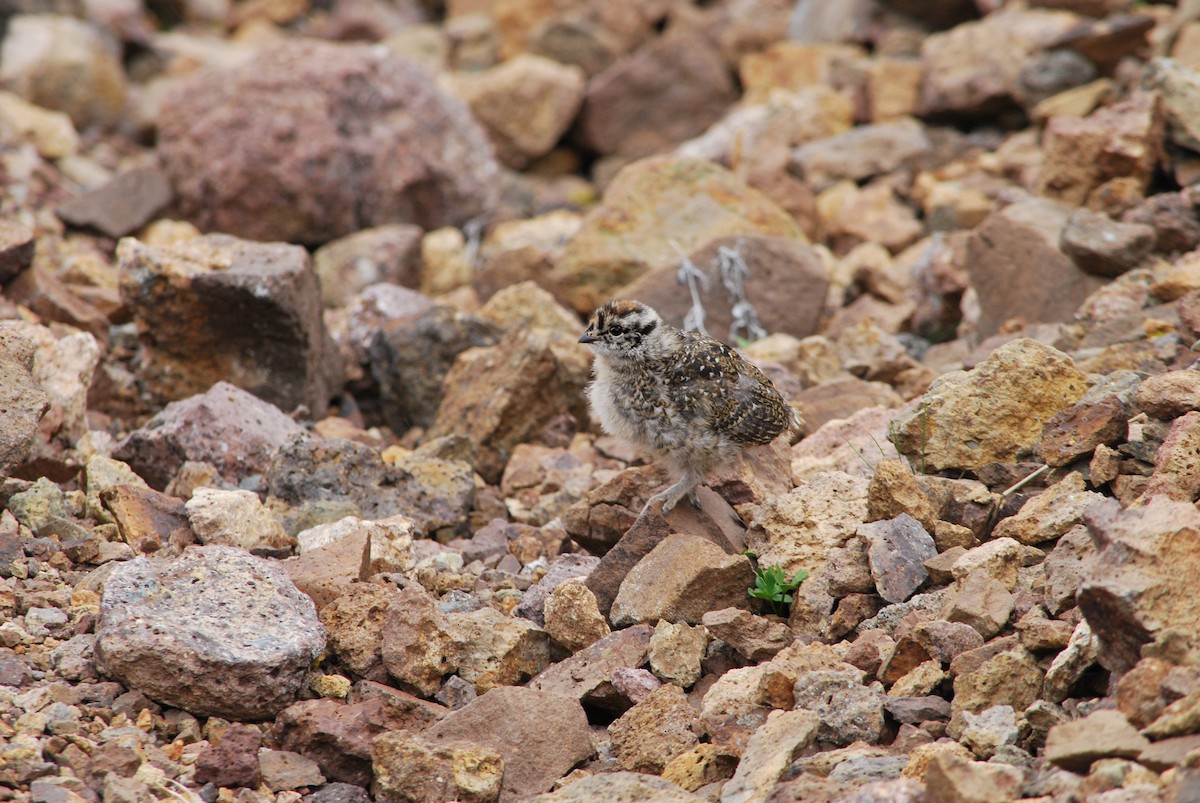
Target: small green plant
{"points": [[772, 585]]}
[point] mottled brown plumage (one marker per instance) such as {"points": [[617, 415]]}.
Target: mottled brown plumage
{"points": [[683, 397]]}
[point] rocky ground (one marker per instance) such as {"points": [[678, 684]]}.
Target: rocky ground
{"points": [[302, 500]]}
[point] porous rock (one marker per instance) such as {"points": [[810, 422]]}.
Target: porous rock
{"points": [[415, 151], [993, 413], [226, 427], [216, 631]]}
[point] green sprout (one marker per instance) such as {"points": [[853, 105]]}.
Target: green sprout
{"points": [[772, 585]]}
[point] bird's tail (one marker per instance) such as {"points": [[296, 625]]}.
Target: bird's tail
{"points": [[795, 426]]}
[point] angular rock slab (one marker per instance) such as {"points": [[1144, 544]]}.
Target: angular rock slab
{"points": [[502, 396], [1143, 578], [994, 413], [216, 632], [1017, 265], [682, 578], [219, 308], [227, 427], [540, 735], [898, 549]]}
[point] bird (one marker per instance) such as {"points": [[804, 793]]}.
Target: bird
{"points": [[688, 400]]}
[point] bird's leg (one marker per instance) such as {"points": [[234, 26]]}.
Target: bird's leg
{"points": [[684, 486]]}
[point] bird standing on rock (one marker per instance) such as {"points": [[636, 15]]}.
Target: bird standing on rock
{"points": [[686, 399]]}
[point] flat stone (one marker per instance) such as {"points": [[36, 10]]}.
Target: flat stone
{"points": [[122, 205], [540, 735], [586, 675], [682, 578], [1103, 734], [897, 553], [1002, 253], [1105, 247]]}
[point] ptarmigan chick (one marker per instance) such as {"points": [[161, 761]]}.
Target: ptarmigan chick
{"points": [[686, 399]]}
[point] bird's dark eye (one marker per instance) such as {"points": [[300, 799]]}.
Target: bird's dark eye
{"points": [[616, 329]]}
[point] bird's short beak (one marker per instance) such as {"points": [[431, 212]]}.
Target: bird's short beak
{"points": [[587, 338]]}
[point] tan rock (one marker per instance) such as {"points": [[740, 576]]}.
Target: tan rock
{"points": [[51, 132], [237, 518], [525, 103], [1180, 718], [999, 559], [992, 413], [526, 304], [1140, 581], [923, 679], [981, 601], [354, 625], [798, 529], [792, 65], [770, 750], [59, 62], [446, 264], [1171, 394], [850, 216], [675, 652], [389, 541], [1139, 694], [977, 64], [1051, 513], [950, 778], [1010, 678], [540, 736], [408, 767], [325, 573], [702, 765], [654, 731], [506, 394], [734, 694], [493, 649], [755, 638], [1083, 155], [923, 755], [681, 579], [778, 677], [415, 647], [619, 786], [849, 441], [573, 618], [350, 264], [894, 490], [587, 674], [1175, 466], [893, 87]]}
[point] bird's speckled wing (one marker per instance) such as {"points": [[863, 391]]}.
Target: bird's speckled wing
{"points": [[741, 402]]}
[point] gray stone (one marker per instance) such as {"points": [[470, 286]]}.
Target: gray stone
{"points": [[216, 632]]}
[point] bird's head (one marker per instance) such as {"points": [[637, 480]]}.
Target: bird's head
{"points": [[625, 330]]}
